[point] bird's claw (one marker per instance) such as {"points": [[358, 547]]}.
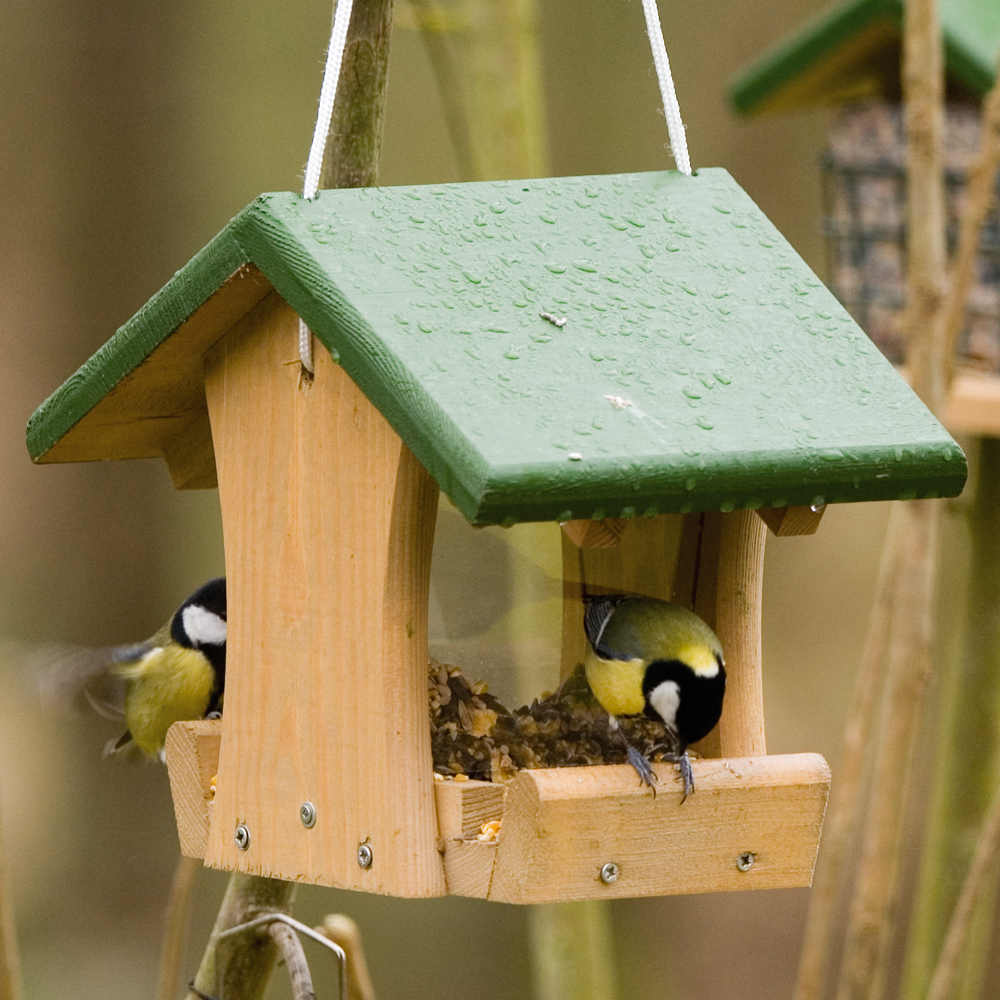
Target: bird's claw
{"points": [[642, 767], [683, 763]]}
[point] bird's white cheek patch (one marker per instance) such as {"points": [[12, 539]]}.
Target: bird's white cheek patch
{"points": [[204, 628], [666, 699]]}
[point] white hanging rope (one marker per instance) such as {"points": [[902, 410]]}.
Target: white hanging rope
{"points": [[671, 109], [331, 75]]}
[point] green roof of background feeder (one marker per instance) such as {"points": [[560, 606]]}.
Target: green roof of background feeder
{"points": [[701, 366], [851, 50]]}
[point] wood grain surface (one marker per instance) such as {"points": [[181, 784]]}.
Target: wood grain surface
{"points": [[328, 524]]}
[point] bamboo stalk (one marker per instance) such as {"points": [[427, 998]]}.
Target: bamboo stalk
{"points": [[923, 92], [343, 931], [870, 924], [870, 927], [503, 86], [571, 951], [10, 966], [983, 862], [449, 84], [963, 782], [176, 924], [980, 195], [846, 803]]}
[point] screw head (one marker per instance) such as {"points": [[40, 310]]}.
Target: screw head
{"points": [[610, 873], [242, 836], [365, 856], [745, 861], [307, 813]]}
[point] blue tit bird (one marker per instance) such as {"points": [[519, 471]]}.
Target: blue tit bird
{"points": [[649, 657], [177, 674]]}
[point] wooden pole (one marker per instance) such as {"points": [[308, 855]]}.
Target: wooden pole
{"points": [[737, 624]]}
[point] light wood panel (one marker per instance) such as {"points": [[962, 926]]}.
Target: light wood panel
{"points": [[463, 807], [328, 523], [192, 762], [562, 825]]}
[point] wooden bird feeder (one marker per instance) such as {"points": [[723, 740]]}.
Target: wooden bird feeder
{"points": [[704, 382], [849, 56]]}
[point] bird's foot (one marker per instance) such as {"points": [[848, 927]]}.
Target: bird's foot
{"points": [[642, 767], [683, 763]]}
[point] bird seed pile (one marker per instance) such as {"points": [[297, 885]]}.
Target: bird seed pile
{"points": [[474, 735]]}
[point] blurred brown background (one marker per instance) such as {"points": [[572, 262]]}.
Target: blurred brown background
{"points": [[130, 134]]}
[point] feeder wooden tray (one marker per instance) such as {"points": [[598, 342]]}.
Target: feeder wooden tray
{"points": [[754, 822]]}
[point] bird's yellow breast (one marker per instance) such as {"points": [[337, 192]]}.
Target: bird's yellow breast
{"points": [[617, 684], [169, 684]]}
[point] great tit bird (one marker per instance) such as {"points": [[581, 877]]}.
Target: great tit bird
{"points": [[177, 674], [649, 657]]}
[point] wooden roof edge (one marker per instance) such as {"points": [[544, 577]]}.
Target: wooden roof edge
{"points": [[752, 86], [755, 88], [132, 343]]}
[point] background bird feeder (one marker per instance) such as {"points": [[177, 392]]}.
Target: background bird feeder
{"points": [[703, 382], [850, 56]]}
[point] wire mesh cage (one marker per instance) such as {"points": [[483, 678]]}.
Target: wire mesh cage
{"points": [[864, 191]]}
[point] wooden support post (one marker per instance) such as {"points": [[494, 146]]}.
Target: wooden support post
{"points": [[738, 607], [329, 523]]}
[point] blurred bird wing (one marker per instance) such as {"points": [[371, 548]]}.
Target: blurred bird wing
{"points": [[64, 674]]}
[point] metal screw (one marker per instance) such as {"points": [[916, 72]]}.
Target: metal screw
{"points": [[817, 507], [242, 836], [745, 861], [365, 856], [307, 813], [610, 873]]}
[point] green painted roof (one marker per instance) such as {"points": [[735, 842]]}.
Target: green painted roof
{"points": [[850, 48], [702, 365]]}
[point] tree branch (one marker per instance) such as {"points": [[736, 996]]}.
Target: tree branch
{"points": [[294, 958]]}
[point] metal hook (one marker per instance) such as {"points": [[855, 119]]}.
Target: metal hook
{"points": [[270, 918]]}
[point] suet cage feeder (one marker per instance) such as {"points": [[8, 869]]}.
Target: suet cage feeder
{"points": [[849, 58], [704, 383]]}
